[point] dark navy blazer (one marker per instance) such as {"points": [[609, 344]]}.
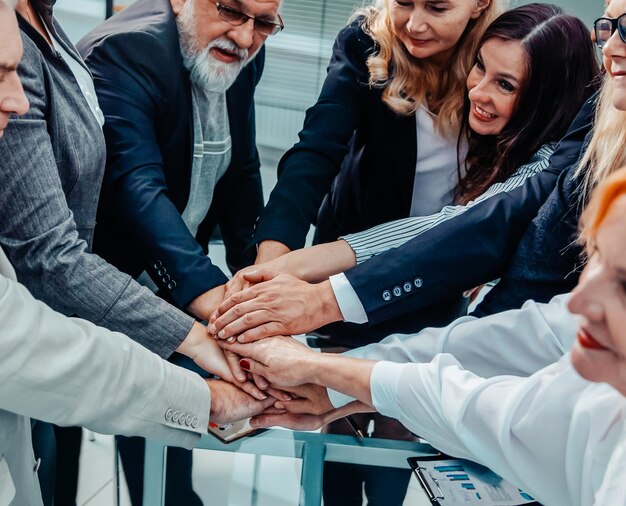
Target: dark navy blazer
{"points": [[482, 244], [145, 94], [354, 154]]}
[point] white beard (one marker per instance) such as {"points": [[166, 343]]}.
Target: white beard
{"points": [[206, 71]]}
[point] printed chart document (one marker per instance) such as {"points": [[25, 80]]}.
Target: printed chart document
{"points": [[447, 481]]}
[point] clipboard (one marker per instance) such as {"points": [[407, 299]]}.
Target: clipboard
{"points": [[448, 481]]}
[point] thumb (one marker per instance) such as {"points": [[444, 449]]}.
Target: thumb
{"points": [[259, 275]]}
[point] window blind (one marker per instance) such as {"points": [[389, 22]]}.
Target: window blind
{"points": [[296, 67]]}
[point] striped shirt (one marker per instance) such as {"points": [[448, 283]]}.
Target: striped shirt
{"points": [[383, 237]]}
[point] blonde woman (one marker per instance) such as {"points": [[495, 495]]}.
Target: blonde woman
{"points": [[385, 125], [385, 129]]}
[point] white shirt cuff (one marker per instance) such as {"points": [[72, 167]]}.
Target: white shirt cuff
{"points": [[384, 384], [348, 301], [337, 399]]}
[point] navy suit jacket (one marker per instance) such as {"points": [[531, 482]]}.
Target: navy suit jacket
{"points": [[354, 165], [145, 94], [479, 245]]}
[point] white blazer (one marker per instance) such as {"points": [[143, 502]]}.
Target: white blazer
{"points": [[71, 372]]}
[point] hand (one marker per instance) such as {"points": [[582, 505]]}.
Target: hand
{"points": [[230, 404], [283, 361], [206, 353], [205, 304], [271, 268], [242, 376], [307, 399], [269, 250], [272, 417], [241, 281], [282, 305]]}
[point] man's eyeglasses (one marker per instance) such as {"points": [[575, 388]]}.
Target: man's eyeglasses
{"points": [[605, 27], [238, 18]]}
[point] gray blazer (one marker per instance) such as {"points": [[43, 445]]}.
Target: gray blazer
{"points": [[70, 372], [52, 162]]}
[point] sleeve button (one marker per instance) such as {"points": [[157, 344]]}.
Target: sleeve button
{"points": [[175, 416], [168, 414], [407, 287], [397, 291], [387, 295], [418, 282]]}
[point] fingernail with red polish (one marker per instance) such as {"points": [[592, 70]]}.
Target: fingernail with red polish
{"points": [[244, 364]]}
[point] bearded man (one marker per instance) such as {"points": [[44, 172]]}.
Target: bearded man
{"points": [[175, 80]]}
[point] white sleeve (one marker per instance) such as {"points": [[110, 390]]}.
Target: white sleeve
{"points": [[548, 433], [348, 301], [518, 342], [381, 238], [71, 372]]}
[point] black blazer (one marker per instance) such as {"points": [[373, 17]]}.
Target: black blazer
{"points": [[352, 135], [478, 246], [145, 94]]}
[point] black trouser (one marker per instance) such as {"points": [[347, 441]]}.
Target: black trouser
{"points": [[59, 451]]}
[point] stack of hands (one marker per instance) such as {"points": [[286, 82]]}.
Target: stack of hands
{"points": [[264, 373]]}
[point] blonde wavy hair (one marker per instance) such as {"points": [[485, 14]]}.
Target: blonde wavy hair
{"points": [[408, 82], [605, 153]]}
